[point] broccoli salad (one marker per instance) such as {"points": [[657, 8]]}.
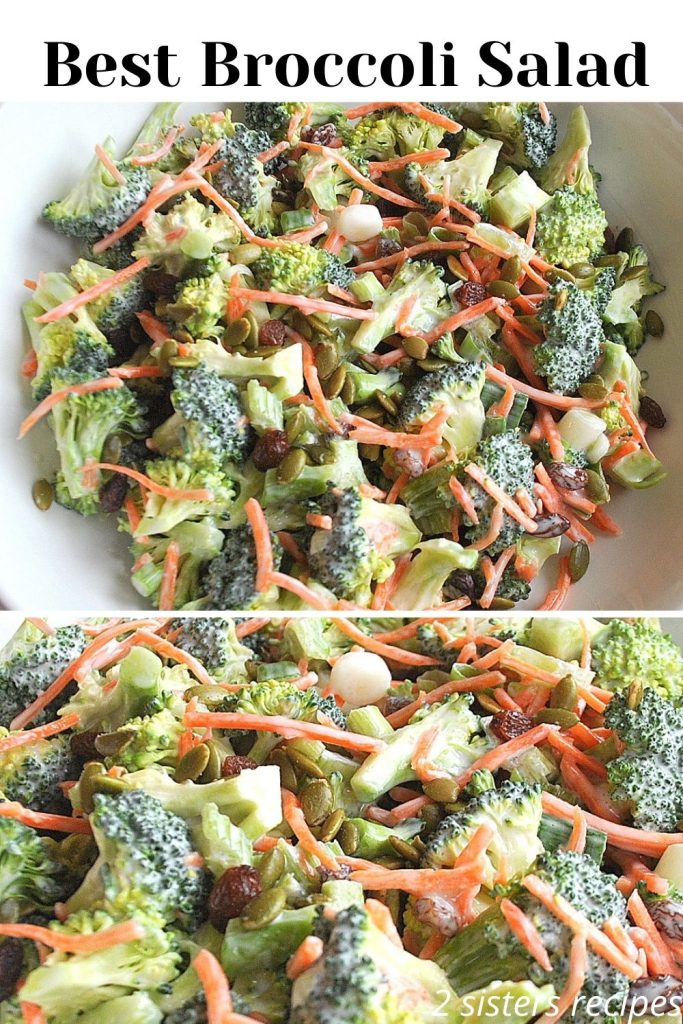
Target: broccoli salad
{"points": [[212, 820], [381, 357]]}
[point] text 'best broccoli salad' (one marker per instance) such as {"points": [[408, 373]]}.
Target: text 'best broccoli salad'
{"points": [[380, 357], [322, 821]]}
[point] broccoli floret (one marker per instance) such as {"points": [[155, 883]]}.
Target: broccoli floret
{"points": [[274, 118], [214, 643], [420, 280], [514, 810], [299, 269], [570, 228], [98, 203], [423, 583], [138, 692], [638, 652], [82, 424], [360, 547], [266, 995], [31, 878], [281, 373], [143, 851], [460, 742], [203, 474], [456, 387], [65, 986], [569, 163], [153, 131], [147, 740], [74, 344], [487, 950], [528, 139], [466, 177], [622, 311], [30, 662], [411, 132], [31, 774], [602, 287], [229, 580], [197, 544], [279, 697], [509, 463], [196, 232], [199, 305], [242, 178], [116, 309], [363, 976], [370, 138], [573, 338], [647, 775], [209, 418]]}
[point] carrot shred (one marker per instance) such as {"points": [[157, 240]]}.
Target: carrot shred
{"points": [[90, 294], [493, 574], [289, 728], [294, 817], [20, 739], [485, 681], [464, 316], [264, 548], [31, 1013], [526, 932], [172, 493], [153, 328], [623, 837], [168, 650], [302, 302], [578, 969], [577, 838], [310, 950], [407, 253], [87, 388], [215, 985], [49, 822], [117, 935], [320, 402], [377, 647], [109, 165], [639, 912], [295, 586], [169, 577], [495, 758], [367, 183], [135, 372], [432, 116], [380, 915], [427, 156], [409, 809], [544, 397], [500, 496], [561, 743]]}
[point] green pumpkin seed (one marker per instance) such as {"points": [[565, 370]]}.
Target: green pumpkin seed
{"points": [[582, 271], [634, 694], [605, 751], [320, 327], [237, 333], [263, 909], [558, 273], [390, 863], [393, 903], [431, 364], [431, 816], [387, 403], [209, 695], [435, 676], [326, 359], [246, 254], [317, 801], [76, 850], [625, 240], [292, 466], [593, 388], [444, 791], [212, 772], [512, 268], [614, 260], [304, 764], [488, 703], [167, 351], [417, 222], [371, 452], [332, 387], [288, 779], [503, 289], [296, 426], [109, 744], [417, 348], [456, 268], [596, 488], [112, 449], [633, 273], [86, 791], [371, 412], [270, 867], [348, 838], [556, 716], [348, 392], [565, 694], [192, 764], [654, 325], [301, 324], [501, 604], [43, 494], [183, 362], [404, 849], [108, 785], [331, 825], [579, 559]]}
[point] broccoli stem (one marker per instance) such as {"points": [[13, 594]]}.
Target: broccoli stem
{"points": [[472, 960], [140, 675], [554, 833]]}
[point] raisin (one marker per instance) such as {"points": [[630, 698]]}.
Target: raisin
{"points": [[11, 964], [551, 525], [662, 992], [507, 725], [161, 284], [571, 478], [272, 332], [471, 293], [83, 747], [652, 412], [270, 449], [326, 875], [234, 889], [113, 493], [389, 209], [668, 916], [461, 584], [388, 247], [236, 764], [396, 704], [323, 135], [610, 242]]}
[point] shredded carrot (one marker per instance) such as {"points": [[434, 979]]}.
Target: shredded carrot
{"points": [[408, 253], [295, 586], [49, 822], [166, 649], [31, 1013], [463, 499], [172, 493], [589, 793], [642, 919], [250, 626], [377, 647], [496, 758], [310, 950], [551, 433], [135, 372], [561, 743], [154, 328], [289, 728], [577, 838], [118, 934], [623, 837], [472, 684], [500, 496], [42, 625], [29, 365], [367, 183], [87, 388], [380, 915], [169, 577], [580, 924], [578, 969], [302, 302], [409, 809], [109, 165], [531, 228], [432, 946], [526, 932], [215, 985], [294, 817], [262, 543], [90, 294], [448, 203], [20, 739], [320, 402], [427, 156], [422, 762], [366, 432], [418, 109], [465, 316], [493, 574], [291, 547], [543, 397], [273, 152], [418, 881]]}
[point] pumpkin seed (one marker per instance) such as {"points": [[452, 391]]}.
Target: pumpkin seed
{"points": [[43, 494], [634, 694], [301, 324], [292, 466], [191, 766], [348, 837], [431, 816], [390, 863], [332, 387], [488, 703], [331, 825], [237, 332], [270, 867], [108, 785], [633, 273], [604, 751], [560, 299], [565, 694], [556, 716], [444, 791], [304, 764], [86, 791], [431, 364], [296, 426], [183, 362], [320, 326], [512, 268], [288, 779], [579, 559], [417, 221], [654, 325], [503, 289], [416, 347], [404, 849], [112, 449], [387, 403], [582, 271], [625, 240], [76, 850], [212, 772], [501, 604], [326, 359], [560, 273], [348, 392], [317, 801], [167, 351], [596, 488], [263, 909], [456, 268], [109, 744], [371, 452], [371, 412], [245, 254], [593, 388], [207, 694]]}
